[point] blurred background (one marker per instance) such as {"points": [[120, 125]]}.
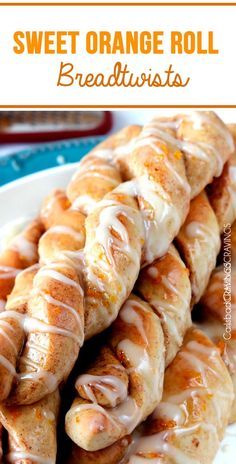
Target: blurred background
{"points": [[31, 141]]}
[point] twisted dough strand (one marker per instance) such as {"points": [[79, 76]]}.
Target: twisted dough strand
{"points": [[20, 253], [97, 174], [164, 291], [12, 333], [54, 321], [140, 353], [121, 234], [217, 314], [95, 422], [191, 419], [161, 192], [222, 191]]}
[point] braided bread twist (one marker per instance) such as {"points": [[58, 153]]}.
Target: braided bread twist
{"points": [[134, 224], [162, 286], [164, 165], [102, 414], [21, 252], [193, 414], [154, 204], [188, 423], [63, 214], [222, 191], [217, 313], [54, 320]]}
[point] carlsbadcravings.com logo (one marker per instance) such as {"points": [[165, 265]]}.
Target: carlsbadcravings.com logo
{"points": [[112, 43], [227, 266]]}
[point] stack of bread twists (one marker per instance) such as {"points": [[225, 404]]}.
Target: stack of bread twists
{"points": [[131, 245]]}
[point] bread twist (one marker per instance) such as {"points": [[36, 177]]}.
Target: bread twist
{"points": [[188, 423], [164, 165], [21, 252], [55, 312], [138, 220], [222, 191], [102, 413], [137, 361], [64, 213], [217, 313], [134, 224], [162, 286], [193, 414]]}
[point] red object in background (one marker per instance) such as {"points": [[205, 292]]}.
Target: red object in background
{"points": [[45, 126]]}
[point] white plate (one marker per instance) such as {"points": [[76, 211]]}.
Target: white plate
{"points": [[23, 198]]}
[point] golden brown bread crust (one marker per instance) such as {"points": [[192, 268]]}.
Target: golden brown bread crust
{"points": [[191, 418], [136, 341], [55, 314], [222, 194], [101, 170], [105, 366], [111, 267], [65, 227], [32, 431], [198, 237], [122, 231], [165, 285], [217, 313], [195, 408], [19, 254], [55, 326], [111, 455], [12, 334], [158, 167]]}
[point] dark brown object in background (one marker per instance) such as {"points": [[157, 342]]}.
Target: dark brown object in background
{"points": [[44, 126]]}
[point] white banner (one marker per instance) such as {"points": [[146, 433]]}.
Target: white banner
{"points": [[117, 56]]}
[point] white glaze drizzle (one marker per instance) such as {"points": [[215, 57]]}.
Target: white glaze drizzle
{"points": [[38, 374], [197, 230], [64, 230], [84, 203], [200, 117], [158, 220], [31, 324], [127, 414], [8, 272], [148, 140], [201, 150], [56, 275], [153, 272], [24, 247], [69, 308], [169, 311], [6, 325], [98, 175], [22, 455], [109, 221], [46, 210], [7, 364], [174, 408], [112, 387]]}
